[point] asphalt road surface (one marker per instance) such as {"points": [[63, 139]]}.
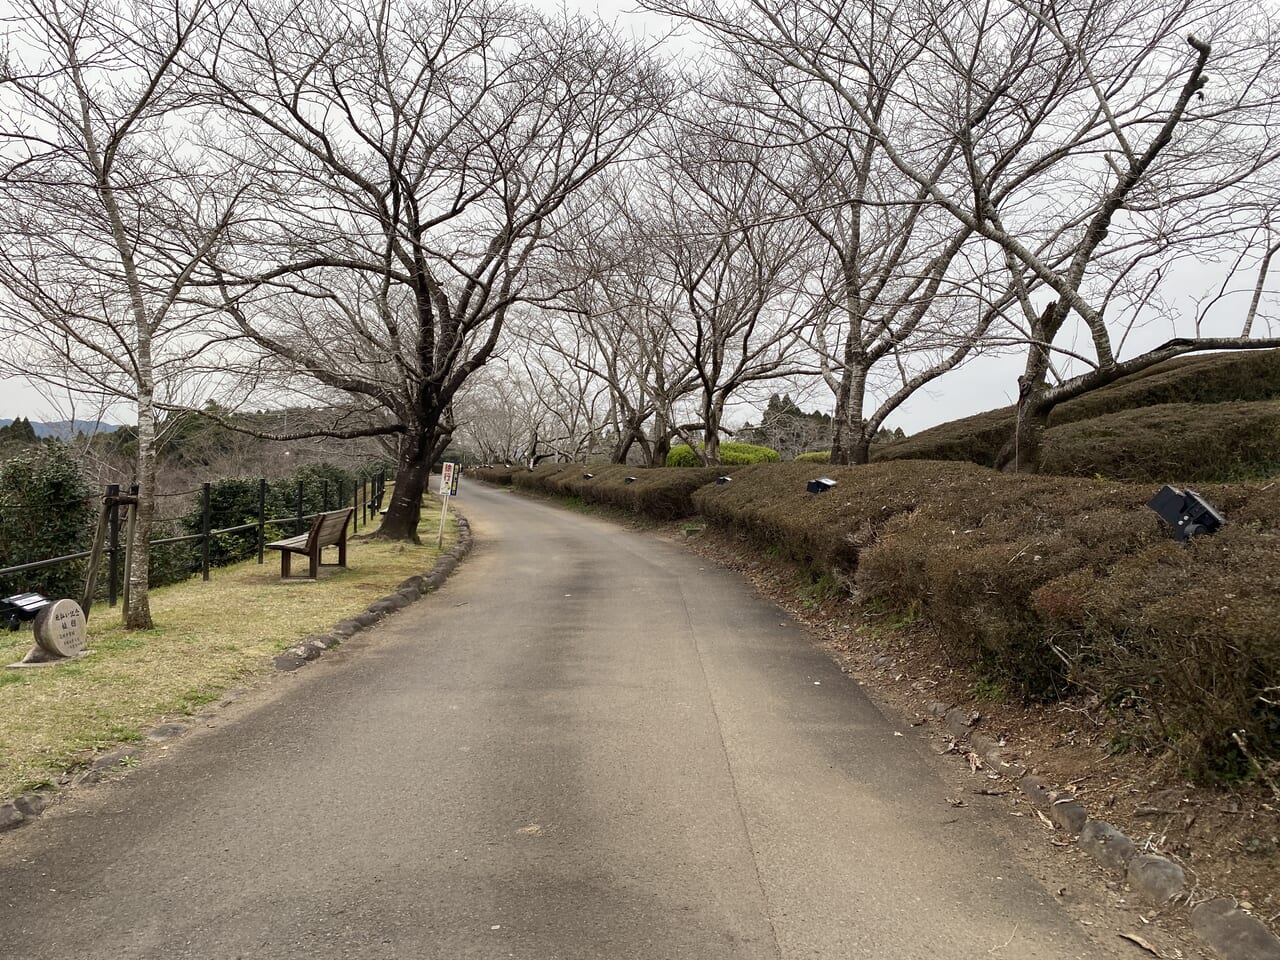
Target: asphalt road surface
{"points": [[590, 744]]}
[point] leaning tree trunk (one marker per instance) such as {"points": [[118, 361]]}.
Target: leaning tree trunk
{"points": [[1021, 453]]}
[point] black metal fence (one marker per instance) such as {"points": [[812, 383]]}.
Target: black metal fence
{"points": [[366, 497]]}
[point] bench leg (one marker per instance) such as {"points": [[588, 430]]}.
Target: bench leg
{"points": [[314, 557], [284, 564], [342, 552]]}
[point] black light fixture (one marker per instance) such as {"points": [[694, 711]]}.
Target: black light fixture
{"points": [[819, 485], [723, 480], [20, 608], [629, 480], [587, 476], [1187, 512]]}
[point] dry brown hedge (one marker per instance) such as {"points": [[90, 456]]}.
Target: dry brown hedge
{"points": [[1052, 585], [499, 474], [1172, 442], [1047, 585], [1205, 378], [976, 439], [659, 493], [1129, 429]]}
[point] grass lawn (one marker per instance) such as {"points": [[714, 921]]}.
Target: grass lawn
{"points": [[208, 637]]}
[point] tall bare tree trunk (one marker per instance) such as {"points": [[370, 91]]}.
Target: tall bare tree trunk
{"points": [[849, 443], [137, 613]]}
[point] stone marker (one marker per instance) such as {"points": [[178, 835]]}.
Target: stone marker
{"points": [[60, 629], [60, 633]]}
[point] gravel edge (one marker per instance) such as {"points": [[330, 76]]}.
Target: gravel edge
{"points": [[1230, 932]]}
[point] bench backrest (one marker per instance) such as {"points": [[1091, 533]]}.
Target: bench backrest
{"points": [[328, 527]]}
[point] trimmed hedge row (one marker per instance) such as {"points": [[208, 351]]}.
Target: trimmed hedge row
{"points": [[1203, 379], [1191, 419], [1172, 441], [659, 493], [500, 474], [1047, 586], [1051, 585]]}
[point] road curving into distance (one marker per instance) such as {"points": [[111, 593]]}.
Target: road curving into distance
{"points": [[590, 745]]}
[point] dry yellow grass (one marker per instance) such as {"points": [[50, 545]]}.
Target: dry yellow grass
{"points": [[208, 637]]}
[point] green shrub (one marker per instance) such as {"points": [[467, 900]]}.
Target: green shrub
{"points": [[233, 502], [170, 562], [731, 454], [46, 511]]}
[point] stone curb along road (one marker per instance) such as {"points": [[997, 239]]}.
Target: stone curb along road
{"points": [[29, 806], [406, 593], [1229, 931]]}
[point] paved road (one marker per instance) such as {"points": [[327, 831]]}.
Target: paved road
{"points": [[590, 744]]}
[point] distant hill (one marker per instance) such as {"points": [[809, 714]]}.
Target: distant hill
{"points": [[66, 429]]}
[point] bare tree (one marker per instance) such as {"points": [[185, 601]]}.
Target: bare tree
{"points": [[608, 316], [108, 215], [414, 158], [733, 266], [1077, 141]]}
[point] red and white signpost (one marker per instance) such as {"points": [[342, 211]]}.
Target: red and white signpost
{"points": [[448, 488]]}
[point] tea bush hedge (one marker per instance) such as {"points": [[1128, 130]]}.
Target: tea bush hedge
{"points": [[1173, 442], [656, 493], [499, 474], [1205, 379], [1196, 418]]}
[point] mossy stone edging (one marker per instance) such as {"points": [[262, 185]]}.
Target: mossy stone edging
{"points": [[1231, 932], [408, 591], [27, 807]]}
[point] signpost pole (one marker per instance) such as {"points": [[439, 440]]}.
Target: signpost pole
{"points": [[448, 484]]}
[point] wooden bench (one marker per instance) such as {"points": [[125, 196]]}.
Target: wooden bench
{"points": [[329, 530]]}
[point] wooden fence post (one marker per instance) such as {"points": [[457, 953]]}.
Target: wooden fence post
{"points": [[204, 530], [113, 543], [262, 518]]}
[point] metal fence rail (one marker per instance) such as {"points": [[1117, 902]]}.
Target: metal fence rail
{"points": [[366, 498]]}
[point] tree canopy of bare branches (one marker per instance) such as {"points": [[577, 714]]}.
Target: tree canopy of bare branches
{"points": [[107, 215], [412, 162], [1082, 144]]}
